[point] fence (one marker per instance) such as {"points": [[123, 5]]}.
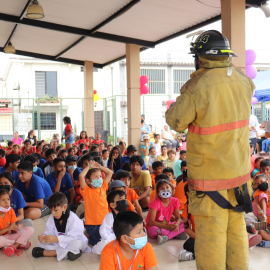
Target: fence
{"points": [[46, 116]]}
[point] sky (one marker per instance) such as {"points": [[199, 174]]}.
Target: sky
{"points": [[257, 39]]}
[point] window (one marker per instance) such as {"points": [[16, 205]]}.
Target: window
{"points": [[46, 83], [47, 121], [180, 77], [156, 80]]}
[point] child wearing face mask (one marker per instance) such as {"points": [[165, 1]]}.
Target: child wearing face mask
{"points": [[72, 169], [260, 185], [63, 237], [11, 237], [130, 250], [117, 203], [17, 201], [93, 189], [158, 222], [36, 170]]}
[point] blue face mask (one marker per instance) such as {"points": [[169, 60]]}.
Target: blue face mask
{"points": [[97, 183], [139, 242], [153, 156], [72, 167], [35, 169]]}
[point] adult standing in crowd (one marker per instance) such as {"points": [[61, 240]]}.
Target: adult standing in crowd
{"points": [[168, 138], [261, 137], [32, 137], [253, 126], [16, 139], [145, 129]]}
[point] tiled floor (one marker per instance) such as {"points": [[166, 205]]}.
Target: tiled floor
{"points": [[166, 255]]}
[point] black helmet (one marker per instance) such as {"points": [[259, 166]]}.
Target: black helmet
{"points": [[211, 43]]}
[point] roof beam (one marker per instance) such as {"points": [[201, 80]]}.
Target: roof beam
{"points": [[93, 30], [52, 58], [16, 25], [74, 30]]}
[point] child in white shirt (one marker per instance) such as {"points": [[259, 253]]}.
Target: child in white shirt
{"points": [[157, 144], [64, 237], [152, 158]]}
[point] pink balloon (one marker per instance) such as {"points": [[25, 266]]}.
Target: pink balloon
{"points": [[144, 89], [254, 100], [251, 72], [250, 57], [143, 79]]}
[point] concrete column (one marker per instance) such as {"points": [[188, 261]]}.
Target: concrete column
{"points": [[133, 95], [89, 123], [233, 27]]}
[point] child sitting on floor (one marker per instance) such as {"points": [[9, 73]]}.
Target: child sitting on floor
{"points": [[132, 196], [130, 250], [117, 203], [157, 168], [63, 237], [158, 222], [260, 185], [170, 161], [152, 158], [159, 177], [180, 189], [12, 237], [93, 189], [257, 163], [169, 171]]}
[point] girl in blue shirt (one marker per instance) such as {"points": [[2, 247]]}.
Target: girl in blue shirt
{"points": [[17, 201]]}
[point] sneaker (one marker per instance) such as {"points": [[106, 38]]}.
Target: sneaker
{"points": [[182, 236], [162, 239], [9, 251], [26, 247], [255, 240], [264, 244], [73, 256], [251, 228], [185, 256], [259, 225], [37, 252]]}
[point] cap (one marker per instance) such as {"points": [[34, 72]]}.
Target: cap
{"points": [[116, 184], [70, 158], [146, 137], [131, 148]]}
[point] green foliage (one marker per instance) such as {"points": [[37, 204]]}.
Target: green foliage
{"points": [[48, 99]]}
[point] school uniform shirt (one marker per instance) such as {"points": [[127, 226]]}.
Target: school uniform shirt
{"points": [[191, 218], [19, 152], [145, 258], [131, 195], [106, 233], [180, 194], [143, 181], [74, 231], [126, 159], [31, 151], [39, 173], [163, 214], [2, 162], [38, 189], [17, 201], [15, 174], [96, 205], [8, 219], [41, 162], [66, 182], [76, 173]]}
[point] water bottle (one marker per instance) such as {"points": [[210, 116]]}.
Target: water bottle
{"points": [[20, 229]]}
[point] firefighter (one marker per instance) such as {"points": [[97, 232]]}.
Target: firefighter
{"points": [[215, 107]]}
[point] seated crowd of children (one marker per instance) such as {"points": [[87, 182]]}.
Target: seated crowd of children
{"points": [[96, 194]]}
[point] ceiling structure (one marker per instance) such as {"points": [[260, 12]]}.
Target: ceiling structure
{"points": [[91, 30]]}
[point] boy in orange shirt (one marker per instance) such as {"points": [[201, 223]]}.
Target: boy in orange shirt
{"points": [[130, 250], [93, 189], [157, 168], [180, 189], [169, 171]]}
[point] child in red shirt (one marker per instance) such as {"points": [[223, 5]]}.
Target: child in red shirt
{"points": [[84, 139], [2, 158], [68, 136], [98, 139], [9, 148], [27, 149], [15, 150]]}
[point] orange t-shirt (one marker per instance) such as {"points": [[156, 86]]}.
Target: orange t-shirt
{"points": [[145, 258], [130, 207], [96, 206], [131, 195], [153, 195], [180, 194], [185, 215], [257, 193], [153, 176], [173, 182], [9, 218]]}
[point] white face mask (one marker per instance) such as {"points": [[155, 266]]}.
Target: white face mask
{"points": [[5, 210]]}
